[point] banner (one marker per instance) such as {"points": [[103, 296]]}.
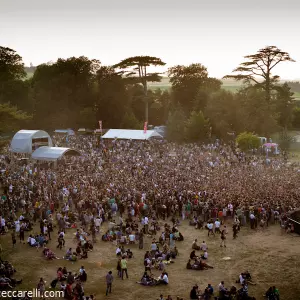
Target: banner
{"points": [[100, 126], [145, 127]]}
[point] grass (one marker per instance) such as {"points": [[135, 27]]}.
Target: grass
{"points": [[228, 85], [297, 96], [271, 256]]}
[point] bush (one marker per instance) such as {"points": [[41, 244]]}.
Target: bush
{"points": [[247, 141]]}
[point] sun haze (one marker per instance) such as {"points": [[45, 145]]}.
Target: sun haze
{"points": [[215, 33]]}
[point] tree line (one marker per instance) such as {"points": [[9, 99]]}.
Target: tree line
{"points": [[78, 92]]}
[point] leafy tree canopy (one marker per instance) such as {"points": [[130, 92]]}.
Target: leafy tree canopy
{"points": [[247, 141], [196, 128], [11, 118], [259, 67], [11, 65]]}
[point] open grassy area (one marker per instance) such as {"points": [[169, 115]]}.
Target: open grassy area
{"points": [[271, 256], [228, 85]]}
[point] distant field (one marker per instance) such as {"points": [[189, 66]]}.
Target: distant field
{"points": [[297, 96], [228, 84], [29, 75]]}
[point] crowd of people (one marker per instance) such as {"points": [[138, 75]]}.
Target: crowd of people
{"points": [[132, 185]]}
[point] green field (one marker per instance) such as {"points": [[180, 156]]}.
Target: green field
{"points": [[228, 85]]}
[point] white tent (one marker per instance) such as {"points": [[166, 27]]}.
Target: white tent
{"points": [[53, 153], [128, 134], [23, 140], [65, 131]]}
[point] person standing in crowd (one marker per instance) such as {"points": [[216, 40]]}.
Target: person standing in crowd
{"points": [[124, 267], [223, 237], [217, 226], [210, 227], [14, 240], [109, 280]]}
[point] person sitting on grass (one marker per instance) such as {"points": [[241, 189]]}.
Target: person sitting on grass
{"points": [[205, 266], [195, 294], [147, 280], [195, 245], [163, 279], [245, 276], [189, 265], [5, 283], [193, 255], [84, 254], [68, 254], [205, 255], [198, 265], [203, 246], [51, 255], [272, 293]]}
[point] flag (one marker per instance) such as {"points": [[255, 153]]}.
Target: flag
{"points": [[145, 127], [100, 126]]}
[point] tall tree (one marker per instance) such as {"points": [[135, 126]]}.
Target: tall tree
{"points": [[191, 86], [296, 118], [176, 125], [135, 70], [13, 89], [285, 104], [112, 97], [196, 128], [225, 113], [11, 65], [129, 121], [11, 118], [260, 66], [62, 90], [160, 106], [256, 114]]}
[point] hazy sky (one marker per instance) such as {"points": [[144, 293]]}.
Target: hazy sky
{"points": [[216, 33]]}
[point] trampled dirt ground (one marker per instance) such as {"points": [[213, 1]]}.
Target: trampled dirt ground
{"points": [[271, 256]]}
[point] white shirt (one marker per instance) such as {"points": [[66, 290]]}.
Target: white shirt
{"points": [[242, 280], [210, 226], [17, 224], [252, 217], [32, 241], [205, 255], [146, 221], [204, 246], [165, 278], [131, 237], [217, 224], [153, 246], [118, 250], [97, 222]]}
